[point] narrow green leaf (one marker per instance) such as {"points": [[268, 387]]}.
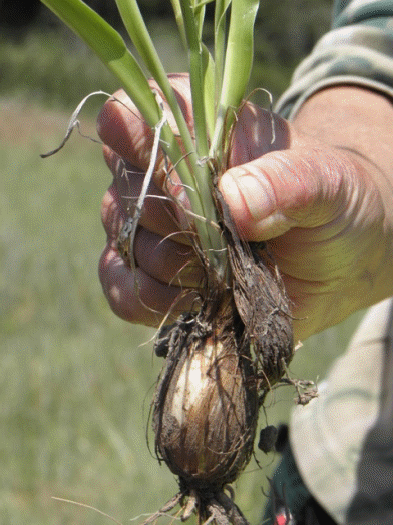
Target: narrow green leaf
{"points": [[197, 5], [238, 64], [220, 36], [137, 30], [196, 77], [209, 86], [179, 21], [110, 47], [199, 15], [139, 35]]}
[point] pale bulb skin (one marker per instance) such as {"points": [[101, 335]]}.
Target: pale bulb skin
{"points": [[205, 412]]}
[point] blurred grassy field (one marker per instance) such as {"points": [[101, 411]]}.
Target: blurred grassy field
{"points": [[75, 384]]}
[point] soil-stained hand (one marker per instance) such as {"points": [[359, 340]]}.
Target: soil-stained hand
{"points": [[325, 210]]}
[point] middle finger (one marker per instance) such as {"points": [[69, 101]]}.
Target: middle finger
{"points": [[167, 260]]}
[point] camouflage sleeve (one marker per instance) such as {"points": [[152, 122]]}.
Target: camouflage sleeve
{"points": [[357, 50]]}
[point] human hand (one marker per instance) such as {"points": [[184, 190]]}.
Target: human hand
{"points": [[145, 294], [322, 209]]}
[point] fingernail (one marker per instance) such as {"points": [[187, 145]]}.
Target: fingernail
{"points": [[249, 190]]}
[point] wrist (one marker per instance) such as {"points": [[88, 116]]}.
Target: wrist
{"points": [[357, 122]]}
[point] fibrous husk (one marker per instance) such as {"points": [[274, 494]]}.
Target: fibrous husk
{"points": [[261, 302], [206, 404], [264, 309]]}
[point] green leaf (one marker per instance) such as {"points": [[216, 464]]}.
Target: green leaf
{"points": [[210, 91], [137, 31], [238, 64], [179, 21], [196, 77], [220, 36], [199, 16], [110, 47]]}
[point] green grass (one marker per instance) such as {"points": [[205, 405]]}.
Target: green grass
{"points": [[75, 386], [55, 69], [51, 68]]}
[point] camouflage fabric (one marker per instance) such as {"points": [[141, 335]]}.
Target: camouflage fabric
{"points": [[358, 50]]}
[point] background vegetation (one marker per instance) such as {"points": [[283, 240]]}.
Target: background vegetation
{"points": [[41, 59], [75, 382]]}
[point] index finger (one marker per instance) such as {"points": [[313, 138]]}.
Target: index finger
{"points": [[121, 126]]}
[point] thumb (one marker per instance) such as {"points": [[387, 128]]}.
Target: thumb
{"points": [[306, 187]]}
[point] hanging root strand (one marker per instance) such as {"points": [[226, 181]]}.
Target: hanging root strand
{"points": [[211, 507]]}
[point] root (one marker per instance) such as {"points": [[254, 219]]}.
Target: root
{"points": [[190, 506], [89, 507], [74, 122], [169, 505], [306, 390], [211, 506], [235, 515], [127, 234]]}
